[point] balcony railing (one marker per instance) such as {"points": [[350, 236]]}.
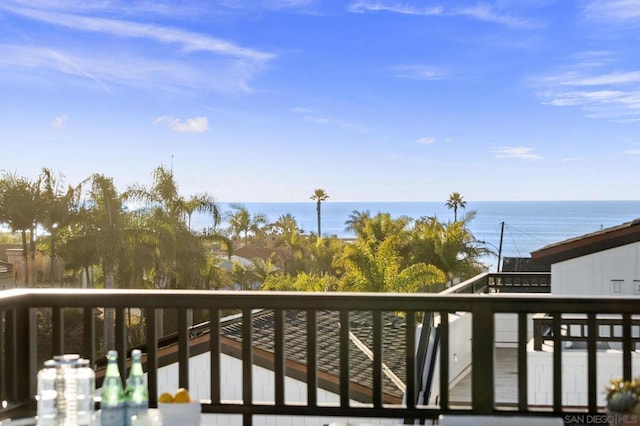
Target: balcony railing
{"points": [[575, 331], [20, 357]]}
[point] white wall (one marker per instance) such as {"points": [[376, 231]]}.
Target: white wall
{"points": [[594, 274], [506, 330], [574, 375]]}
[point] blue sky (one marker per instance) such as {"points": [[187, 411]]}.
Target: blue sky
{"points": [[371, 100]]}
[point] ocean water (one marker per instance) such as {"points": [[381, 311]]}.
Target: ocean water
{"points": [[528, 225]]}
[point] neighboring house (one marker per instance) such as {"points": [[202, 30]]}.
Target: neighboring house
{"points": [[523, 264], [603, 263], [606, 262], [279, 256], [6, 275], [41, 271], [295, 348]]}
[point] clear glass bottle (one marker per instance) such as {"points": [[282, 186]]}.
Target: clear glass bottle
{"points": [[66, 386], [136, 391], [112, 405]]}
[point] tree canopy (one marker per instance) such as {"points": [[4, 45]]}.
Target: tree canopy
{"points": [[142, 238]]}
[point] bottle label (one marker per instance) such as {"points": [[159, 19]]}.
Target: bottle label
{"points": [[112, 416], [135, 409]]}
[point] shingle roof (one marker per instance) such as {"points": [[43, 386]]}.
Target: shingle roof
{"points": [[361, 366]]}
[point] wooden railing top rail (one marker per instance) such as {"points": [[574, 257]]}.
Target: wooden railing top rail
{"points": [[200, 299]]}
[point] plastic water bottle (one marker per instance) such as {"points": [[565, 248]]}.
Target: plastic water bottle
{"points": [[112, 406], [136, 391], [65, 392]]}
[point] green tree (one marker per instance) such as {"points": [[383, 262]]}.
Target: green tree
{"points": [[60, 209], [319, 195], [455, 202], [241, 222], [380, 259], [451, 247], [357, 221], [292, 242], [301, 282], [107, 213], [77, 246], [202, 203], [21, 209]]}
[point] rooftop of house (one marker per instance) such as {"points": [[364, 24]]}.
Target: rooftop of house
{"points": [[608, 238], [328, 335]]}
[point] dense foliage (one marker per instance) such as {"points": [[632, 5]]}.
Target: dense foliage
{"points": [[142, 238]]}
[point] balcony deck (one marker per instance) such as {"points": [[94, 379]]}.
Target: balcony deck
{"points": [[506, 381]]}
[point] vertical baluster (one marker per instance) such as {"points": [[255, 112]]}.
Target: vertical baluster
{"points": [[279, 359], [410, 344], [247, 357], [57, 332], [121, 341], [344, 358], [183, 349], [522, 362], [444, 360], [557, 362], [214, 351], [247, 363], [151, 315], [377, 359], [22, 324], [89, 335], [312, 365], [3, 358], [482, 358], [592, 335], [628, 345]]}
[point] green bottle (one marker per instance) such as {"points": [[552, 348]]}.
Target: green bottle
{"points": [[112, 405], [137, 392]]}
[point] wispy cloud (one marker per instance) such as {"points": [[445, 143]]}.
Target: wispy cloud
{"points": [[618, 10], [419, 72], [484, 12], [487, 13], [189, 41], [59, 122], [519, 152], [166, 58], [426, 140], [48, 59], [600, 91], [607, 79], [98, 70], [190, 125], [633, 151], [312, 116], [395, 7]]}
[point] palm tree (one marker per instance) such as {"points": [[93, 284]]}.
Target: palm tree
{"points": [[380, 260], [454, 202], [203, 203], [448, 246], [164, 218], [243, 222], [108, 219], [319, 195], [357, 221], [60, 209]]}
